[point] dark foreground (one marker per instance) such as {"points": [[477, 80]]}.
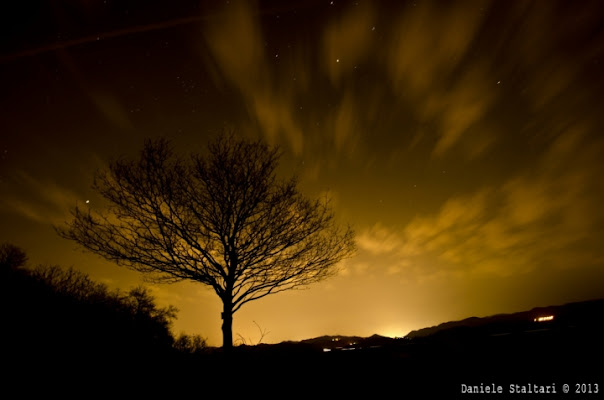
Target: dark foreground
{"points": [[448, 366], [65, 336]]}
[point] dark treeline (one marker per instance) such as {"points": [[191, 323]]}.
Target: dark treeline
{"points": [[60, 318]]}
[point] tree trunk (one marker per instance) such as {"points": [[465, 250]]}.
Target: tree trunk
{"points": [[227, 325]]}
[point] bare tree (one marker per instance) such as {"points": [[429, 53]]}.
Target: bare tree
{"points": [[223, 220]]}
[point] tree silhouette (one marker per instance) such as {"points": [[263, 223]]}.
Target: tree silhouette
{"points": [[11, 257], [223, 219]]}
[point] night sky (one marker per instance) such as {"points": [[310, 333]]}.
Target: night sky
{"points": [[463, 141]]}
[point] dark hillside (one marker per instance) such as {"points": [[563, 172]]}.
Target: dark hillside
{"points": [[582, 314], [60, 316]]}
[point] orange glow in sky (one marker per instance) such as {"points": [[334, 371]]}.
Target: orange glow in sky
{"points": [[461, 140]]}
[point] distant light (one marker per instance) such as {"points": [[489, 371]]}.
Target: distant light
{"points": [[337, 60], [546, 318], [325, 350], [87, 201]]}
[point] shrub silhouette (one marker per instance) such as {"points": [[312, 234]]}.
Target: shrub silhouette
{"points": [[190, 344], [61, 314]]}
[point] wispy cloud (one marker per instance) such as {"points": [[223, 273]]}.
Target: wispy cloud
{"points": [[547, 218], [237, 45], [39, 200], [379, 240], [430, 43]]}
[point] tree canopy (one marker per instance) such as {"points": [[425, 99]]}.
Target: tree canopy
{"points": [[222, 219]]}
